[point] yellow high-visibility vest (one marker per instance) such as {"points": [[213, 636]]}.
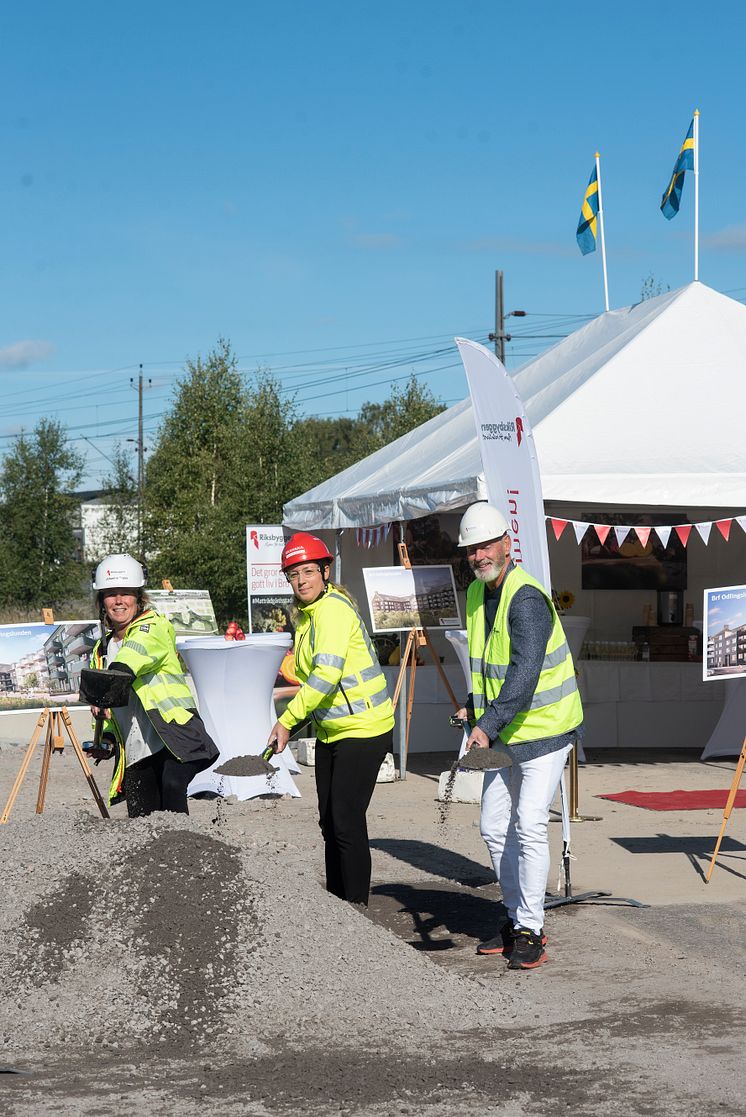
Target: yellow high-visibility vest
{"points": [[555, 706], [343, 689]]}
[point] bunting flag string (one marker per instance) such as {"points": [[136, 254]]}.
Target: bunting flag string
{"points": [[372, 536], [663, 531]]}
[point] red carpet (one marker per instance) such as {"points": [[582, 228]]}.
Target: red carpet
{"points": [[677, 800]]}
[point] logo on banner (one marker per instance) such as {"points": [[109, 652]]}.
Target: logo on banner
{"points": [[519, 428], [498, 432], [254, 539]]}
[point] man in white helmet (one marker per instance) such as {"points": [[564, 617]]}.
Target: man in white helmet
{"points": [[524, 694]]}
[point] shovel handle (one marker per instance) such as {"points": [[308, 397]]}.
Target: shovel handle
{"points": [[269, 752]]}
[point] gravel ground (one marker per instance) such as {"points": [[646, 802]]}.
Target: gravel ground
{"points": [[178, 963]]}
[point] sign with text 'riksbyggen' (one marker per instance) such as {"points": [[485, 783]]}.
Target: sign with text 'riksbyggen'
{"points": [[511, 468], [269, 593]]}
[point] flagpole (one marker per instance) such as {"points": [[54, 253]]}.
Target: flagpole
{"points": [[601, 226], [696, 195]]}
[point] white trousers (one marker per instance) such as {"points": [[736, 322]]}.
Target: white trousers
{"points": [[513, 823]]}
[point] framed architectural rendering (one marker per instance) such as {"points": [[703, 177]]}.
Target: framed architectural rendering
{"points": [[419, 597]]}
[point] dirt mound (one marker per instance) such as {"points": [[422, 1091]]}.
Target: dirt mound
{"points": [[158, 931]]}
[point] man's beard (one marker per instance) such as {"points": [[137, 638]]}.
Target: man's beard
{"points": [[490, 573]]}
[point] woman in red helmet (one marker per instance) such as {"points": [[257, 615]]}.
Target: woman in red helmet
{"points": [[343, 694]]}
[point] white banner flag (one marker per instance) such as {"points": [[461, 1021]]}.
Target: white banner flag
{"points": [[511, 468]]}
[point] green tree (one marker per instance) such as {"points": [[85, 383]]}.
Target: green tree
{"points": [[652, 287], [331, 445], [39, 560], [224, 458], [273, 450], [117, 530], [405, 409]]}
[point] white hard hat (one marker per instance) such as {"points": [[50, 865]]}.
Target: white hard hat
{"points": [[480, 523], [118, 572]]}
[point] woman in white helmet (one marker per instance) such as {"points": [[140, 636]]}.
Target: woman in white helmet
{"points": [[159, 738]]}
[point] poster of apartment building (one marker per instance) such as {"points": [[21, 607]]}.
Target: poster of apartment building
{"points": [[724, 635], [421, 597], [40, 664], [191, 612]]}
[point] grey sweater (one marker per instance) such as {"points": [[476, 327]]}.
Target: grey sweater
{"points": [[529, 628]]}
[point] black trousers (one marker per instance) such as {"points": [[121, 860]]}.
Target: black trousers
{"points": [[159, 783], [346, 773]]}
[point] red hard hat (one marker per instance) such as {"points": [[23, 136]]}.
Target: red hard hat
{"points": [[303, 547]]}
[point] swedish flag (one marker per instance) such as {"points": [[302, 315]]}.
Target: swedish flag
{"points": [[671, 200], [588, 224]]}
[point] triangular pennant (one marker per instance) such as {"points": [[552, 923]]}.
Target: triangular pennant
{"points": [[664, 534], [723, 527], [741, 521], [643, 534], [683, 531], [580, 528], [704, 530], [558, 526], [622, 532], [601, 530]]}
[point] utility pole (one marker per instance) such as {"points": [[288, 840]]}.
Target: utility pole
{"points": [[499, 318], [499, 336], [140, 464]]}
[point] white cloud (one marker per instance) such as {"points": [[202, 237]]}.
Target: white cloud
{"points": [[730, 239], [24, 353], [514, 244], [375, 240]]}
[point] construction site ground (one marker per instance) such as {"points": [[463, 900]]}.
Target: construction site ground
{"points": [[197, 965]]}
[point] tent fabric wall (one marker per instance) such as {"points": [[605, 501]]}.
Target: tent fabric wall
{"points": [[641, 406]]}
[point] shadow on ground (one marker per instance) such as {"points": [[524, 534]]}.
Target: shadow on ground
{"points": [[436, 860], [433, 917]]}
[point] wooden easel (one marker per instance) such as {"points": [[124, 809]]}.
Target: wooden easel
{"points": [[416, 638], [55, 720], [728, 807]]}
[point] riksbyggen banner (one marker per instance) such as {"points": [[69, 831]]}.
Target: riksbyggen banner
{"points": [[270, 596], [511, 468]]}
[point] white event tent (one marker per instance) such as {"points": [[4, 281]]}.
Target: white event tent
{"points": [[641, 409], [641, 406]]}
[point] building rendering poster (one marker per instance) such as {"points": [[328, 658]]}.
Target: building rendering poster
{"points": [[724, 636], [421, 597], [40, 664]]}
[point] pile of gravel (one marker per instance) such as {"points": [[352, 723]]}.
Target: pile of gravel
{"points": [[169, 930]]}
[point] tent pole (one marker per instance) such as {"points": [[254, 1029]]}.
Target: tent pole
{"points": [[338, 556], [402, 713]]}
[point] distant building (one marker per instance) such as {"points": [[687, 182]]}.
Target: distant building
{"points": [[438, 598], [93, 524], [6, 678], [67, 651]]}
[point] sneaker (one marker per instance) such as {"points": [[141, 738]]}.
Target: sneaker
{"points": [[528, 949], [502, 942]]}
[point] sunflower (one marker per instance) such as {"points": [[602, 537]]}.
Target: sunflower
{"points": [[564, 600]]}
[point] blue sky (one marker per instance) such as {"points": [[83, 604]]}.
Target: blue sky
{"points": [[332, 186]]}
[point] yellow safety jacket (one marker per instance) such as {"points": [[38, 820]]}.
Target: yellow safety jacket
{"points": [[555, 707], [149, 650], [343, 689]]}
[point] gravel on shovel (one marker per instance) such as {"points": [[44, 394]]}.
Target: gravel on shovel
{"points": [[246, 766]]}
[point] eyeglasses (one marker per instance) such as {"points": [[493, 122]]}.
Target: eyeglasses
{"points": [[304, 572]]}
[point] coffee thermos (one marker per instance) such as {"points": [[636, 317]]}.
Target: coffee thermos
{"points": [[671, 607]]}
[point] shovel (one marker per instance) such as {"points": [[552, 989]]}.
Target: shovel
{"points": [[496, 756], [104, 689]]}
